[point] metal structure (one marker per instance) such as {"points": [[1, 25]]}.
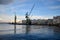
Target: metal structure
{"points": [[28, 21], [15, 23]]}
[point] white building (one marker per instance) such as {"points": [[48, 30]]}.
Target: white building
{"points": [[39, 21], [50, 21], [56, 20], [24, 21], [34, 21]]}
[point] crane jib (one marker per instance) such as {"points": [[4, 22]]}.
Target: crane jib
{"points": [[31, 10]]}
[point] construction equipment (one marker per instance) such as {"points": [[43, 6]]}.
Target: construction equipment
{"points": [[28, 21]]}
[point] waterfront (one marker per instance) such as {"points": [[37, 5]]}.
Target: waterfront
{"points": [[31, 32]]}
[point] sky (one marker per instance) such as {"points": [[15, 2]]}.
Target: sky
{"points": [[43, 9]]}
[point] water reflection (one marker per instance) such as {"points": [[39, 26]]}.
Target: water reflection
{"points": [[41, 31], [28, 29], [57, 32], [14, 29]]}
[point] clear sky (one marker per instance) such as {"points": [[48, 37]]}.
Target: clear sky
{"points": [[43, 9]]}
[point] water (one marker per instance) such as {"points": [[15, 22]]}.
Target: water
{"points": [[27, 32]]}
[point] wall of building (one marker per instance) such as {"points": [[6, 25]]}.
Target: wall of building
{"points": [[56, 20]]}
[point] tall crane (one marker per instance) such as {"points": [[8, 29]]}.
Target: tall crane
{"points": [[28, 21]]}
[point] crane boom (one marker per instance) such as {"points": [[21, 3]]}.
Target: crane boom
{"points": [[31, 9]]}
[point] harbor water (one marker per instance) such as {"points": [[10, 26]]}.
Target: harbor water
{"points": [[29, 32]]}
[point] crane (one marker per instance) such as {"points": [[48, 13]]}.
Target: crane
{"points": [[28, 21]]}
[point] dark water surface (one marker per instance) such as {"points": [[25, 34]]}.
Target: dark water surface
{"points": [[29, 32]]}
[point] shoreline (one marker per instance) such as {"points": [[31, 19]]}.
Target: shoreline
{"points": [[33, 24], [36, 24]]}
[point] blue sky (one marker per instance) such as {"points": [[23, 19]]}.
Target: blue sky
{"points": [[43, 9]]}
